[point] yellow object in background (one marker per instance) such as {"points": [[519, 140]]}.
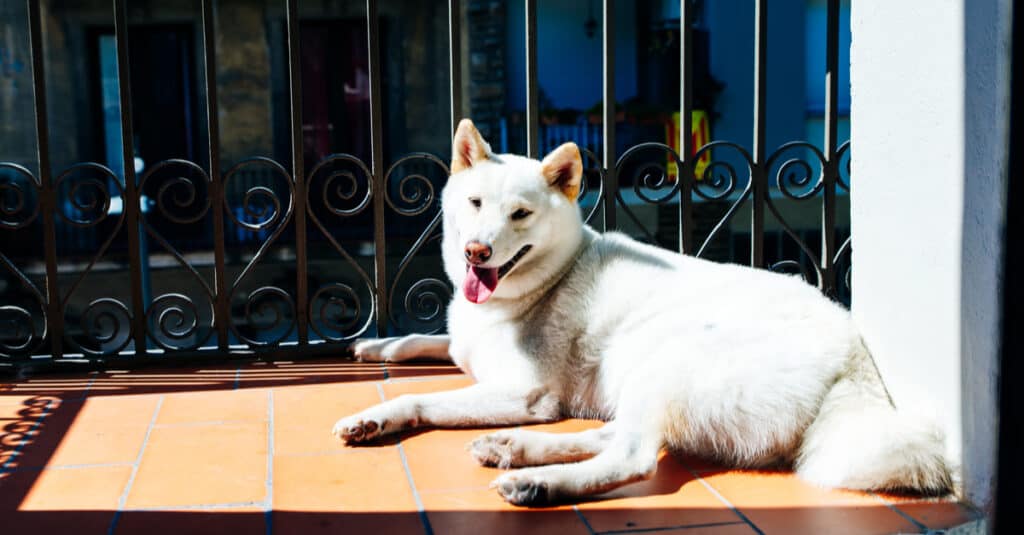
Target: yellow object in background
{"points": [[700, 135]]}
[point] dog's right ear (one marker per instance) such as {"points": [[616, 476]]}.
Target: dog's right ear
{"points": [[468, 147]]}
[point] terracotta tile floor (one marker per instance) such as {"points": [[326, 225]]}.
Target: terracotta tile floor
{"points": [[247, 449]]}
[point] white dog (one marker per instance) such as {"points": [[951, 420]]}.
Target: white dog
{"points": [[553, 320]]}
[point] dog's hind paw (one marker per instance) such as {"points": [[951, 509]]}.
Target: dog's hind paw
{"points": [[499, 449], [355, 430], [523, 489]]}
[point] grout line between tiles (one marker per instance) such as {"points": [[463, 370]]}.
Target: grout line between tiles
{"points": [[670, 528], [201, 424], [320, 453], [328, 453], [897, 510], [446, 490], [69, 467], [586, 523], [718, 495], [135, 467], [426, 378], [88, 388], [427, 528], [17, 449], [204, 507], [424, 519], [268, 514]]}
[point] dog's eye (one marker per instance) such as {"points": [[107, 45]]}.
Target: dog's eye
{"points": [[475, 201], [520, 214]]}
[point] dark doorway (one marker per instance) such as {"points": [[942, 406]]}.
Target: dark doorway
{"points": [[163, 90], [163, 93], [1009, 493], [335, 89]]}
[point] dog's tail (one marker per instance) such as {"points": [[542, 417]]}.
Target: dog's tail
{"points": [[859, 441]]}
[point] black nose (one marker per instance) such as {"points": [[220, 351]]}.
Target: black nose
{"points": [[477, 253]]}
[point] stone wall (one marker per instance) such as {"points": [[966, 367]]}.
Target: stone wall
{"points": [[425, 91], [243, 81], [17, 131], [485, 24]]}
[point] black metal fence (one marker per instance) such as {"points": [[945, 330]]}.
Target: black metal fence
{"points": [[284, 298]]}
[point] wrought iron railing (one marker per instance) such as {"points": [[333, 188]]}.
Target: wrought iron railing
{"points": [[286, 303]]}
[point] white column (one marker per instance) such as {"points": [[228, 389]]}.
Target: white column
{"points": [[928, 130]]}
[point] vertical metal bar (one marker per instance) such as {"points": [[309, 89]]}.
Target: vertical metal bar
{"points": [[831, 77], [221, 312], [455, 60], [48, 194], [611, 184], [685, 171], [831, 169], [298, 171], [132, 203], [376, 168], [532, 100], [758, 176]]}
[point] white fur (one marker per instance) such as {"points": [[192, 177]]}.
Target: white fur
{"points": [[740, 365]]}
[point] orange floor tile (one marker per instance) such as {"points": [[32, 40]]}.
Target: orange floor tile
{"points": [[247, 448]]}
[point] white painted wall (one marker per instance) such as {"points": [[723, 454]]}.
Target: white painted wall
{"points": [[926, 116], [907, 77]]}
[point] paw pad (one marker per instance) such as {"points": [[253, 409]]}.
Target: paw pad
{"points": [[527, 492], [358, 431], [496, 450]]}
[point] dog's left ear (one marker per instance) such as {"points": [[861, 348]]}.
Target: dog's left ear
{"points": [[563, 169]]}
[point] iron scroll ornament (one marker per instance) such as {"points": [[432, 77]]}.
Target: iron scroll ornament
{"points": [[335, 300], [106, 323], [426, 301], [17, 211], [172, 319], [262, 206]]}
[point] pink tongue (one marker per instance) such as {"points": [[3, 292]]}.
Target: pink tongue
{"points": [[480, 283]]}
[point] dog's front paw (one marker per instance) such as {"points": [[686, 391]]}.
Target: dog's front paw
{"points": [[371, 349], [523, 488], [356, 429], [499, 449]]}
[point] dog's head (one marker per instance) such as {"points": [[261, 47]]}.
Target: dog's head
{"points": [[510, 222]]}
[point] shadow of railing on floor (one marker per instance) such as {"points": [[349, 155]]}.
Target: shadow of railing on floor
{"points": [[824, 519], [37, 412], [250, 374]]}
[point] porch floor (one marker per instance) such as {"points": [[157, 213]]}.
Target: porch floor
{"points": [[247, 449]]}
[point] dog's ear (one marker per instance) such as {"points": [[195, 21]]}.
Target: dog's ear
{"points": [[468, 147], [563, 169]]}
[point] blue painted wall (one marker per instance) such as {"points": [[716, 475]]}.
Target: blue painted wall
{"points": [[569, 63], [814, 50], [817, 15], [731, 27]]}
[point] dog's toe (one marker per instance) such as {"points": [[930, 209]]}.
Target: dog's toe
{"points": [[496, 449], [528, 491], [354, 431]]}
